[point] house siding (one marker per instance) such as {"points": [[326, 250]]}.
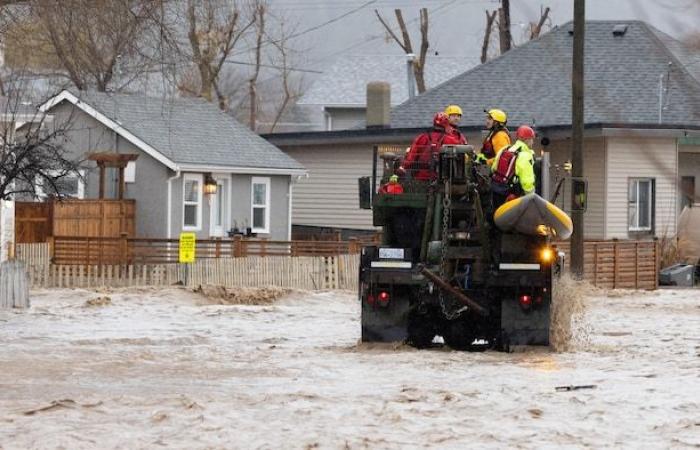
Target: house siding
{"points": [[329, 196], [594, 171], [635, 157], [87, 135], [239, 206]]}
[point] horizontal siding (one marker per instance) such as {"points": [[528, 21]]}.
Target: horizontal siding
{"points": [[594, 172], [329, 196], [635, 157]]}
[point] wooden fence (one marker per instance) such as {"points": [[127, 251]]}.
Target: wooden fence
{"points": [[37, 221], [14, 289], [619, 264], [309, 273], [33, 222], [239, 262], [88, 251]]}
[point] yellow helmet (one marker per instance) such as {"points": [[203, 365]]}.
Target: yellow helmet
{"points": [[498, 115], [453, 109]]}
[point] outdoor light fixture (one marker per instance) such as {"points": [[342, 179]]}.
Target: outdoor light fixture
{"points": [[209, 185]]}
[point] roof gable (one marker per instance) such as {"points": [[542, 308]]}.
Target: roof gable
{"points": [[182, 133], [533, 82]]}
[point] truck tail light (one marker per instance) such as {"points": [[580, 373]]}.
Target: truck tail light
{"points": [[383, 298], [525, 301]]}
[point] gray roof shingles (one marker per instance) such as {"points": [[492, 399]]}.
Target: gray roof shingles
{"points": [[190, 131], [532, 83], [344, 83]]}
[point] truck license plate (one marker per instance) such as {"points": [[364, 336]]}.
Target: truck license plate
{"points": [[390, 253]]}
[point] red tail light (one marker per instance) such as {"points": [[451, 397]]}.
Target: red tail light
{"points": [[370, 299], [383, 297], [525, 301]]}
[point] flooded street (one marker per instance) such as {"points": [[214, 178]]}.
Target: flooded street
{"points": [[147, 368]]}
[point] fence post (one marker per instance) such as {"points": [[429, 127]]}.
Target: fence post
{"points": [[616, 267], [50, 242], [237, 246], [124, 248], [217, 248], [636, 264], [353, 246], [657, 263]]}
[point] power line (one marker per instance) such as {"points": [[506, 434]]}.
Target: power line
{"points": [[271, 66], [314, 28]]}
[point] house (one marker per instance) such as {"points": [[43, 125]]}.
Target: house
{"points": [[642, 128], [182, 145], [337, 99]]}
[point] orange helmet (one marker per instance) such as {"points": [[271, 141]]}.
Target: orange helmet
{"points": [[441, 120], [525, 132]]}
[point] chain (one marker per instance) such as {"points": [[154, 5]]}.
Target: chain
{"points": [[446, 204]]}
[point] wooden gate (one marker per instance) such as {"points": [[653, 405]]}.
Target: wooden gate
{"points": [[36, 221], [33, 222]]}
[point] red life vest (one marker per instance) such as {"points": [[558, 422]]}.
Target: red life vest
{"points": [[394, 188], [487, 147], [505, 169]]}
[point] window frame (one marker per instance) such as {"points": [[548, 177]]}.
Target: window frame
{"points": [[636, 181], [199, 178], [80, 195], [130, 172], [265, 181]]}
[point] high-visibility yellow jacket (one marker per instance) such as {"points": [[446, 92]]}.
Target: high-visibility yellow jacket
{"points": [[524, 165]]}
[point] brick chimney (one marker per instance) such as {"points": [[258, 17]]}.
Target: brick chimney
{"points": [[378, 104]]}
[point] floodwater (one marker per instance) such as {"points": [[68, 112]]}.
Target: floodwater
{"points": [[147, 368]]}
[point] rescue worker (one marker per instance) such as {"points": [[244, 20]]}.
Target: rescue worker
{"points": [[454, 114], [514, 168], [420, 157], [497, 138], [393, 186]]}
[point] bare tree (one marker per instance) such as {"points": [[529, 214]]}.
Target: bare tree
{"points": [[407, 47], [33, 158], [505, 37], [536, 28], [214, 29], [490, 19], [252, 82], [290, 93], [87, 41]]}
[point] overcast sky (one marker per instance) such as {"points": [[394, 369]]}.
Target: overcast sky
{"points": [[456, 26]]}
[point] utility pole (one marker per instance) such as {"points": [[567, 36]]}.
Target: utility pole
{"points": [[577, 132]]}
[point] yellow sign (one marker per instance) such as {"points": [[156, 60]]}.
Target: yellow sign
{"points": [[187, 243]]}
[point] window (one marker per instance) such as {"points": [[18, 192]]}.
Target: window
{"points": [[130, 172], [641, 204], [260, 205], [70, 185], [192, 201], [687, 191]]}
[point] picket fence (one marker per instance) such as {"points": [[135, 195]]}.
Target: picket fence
{"points": [[308, 273]]}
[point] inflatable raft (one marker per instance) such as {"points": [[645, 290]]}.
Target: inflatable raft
{"points": [[533, 215]]}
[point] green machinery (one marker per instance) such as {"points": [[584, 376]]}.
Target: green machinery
{"points": [[443, 269]]}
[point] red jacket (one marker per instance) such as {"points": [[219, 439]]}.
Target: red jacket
{"points": [[424, 146]]}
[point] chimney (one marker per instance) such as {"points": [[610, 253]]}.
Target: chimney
{"points": [[378, 104], [410, 59]]}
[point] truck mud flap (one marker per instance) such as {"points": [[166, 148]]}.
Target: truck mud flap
{"points": [[387, 323], [525, 327]]}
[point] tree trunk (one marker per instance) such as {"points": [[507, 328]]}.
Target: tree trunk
{"points": [[490, 18], [504, 26]]}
